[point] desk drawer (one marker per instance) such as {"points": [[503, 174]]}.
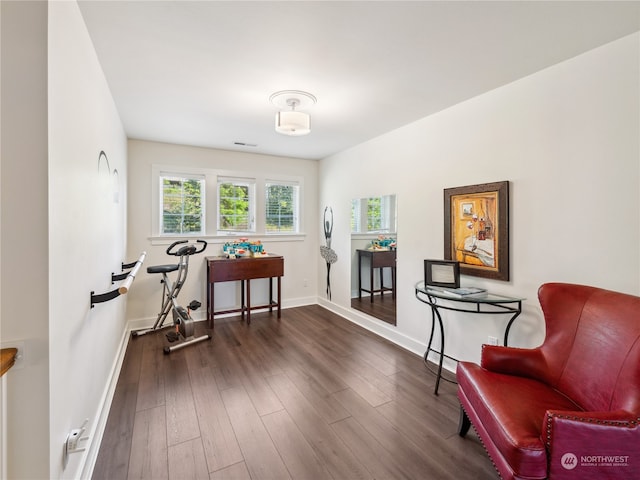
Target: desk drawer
{"points": [[227, 270], [384, 259]]}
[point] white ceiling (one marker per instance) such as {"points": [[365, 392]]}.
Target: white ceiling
{"points": [[201, 73]]}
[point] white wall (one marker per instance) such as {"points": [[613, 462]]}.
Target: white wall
{"points": [[24, 255], [567, 139], [87, 232], [299, 285], [62, 234]]}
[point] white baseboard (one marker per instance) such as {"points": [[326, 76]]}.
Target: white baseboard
{"points": [[88, 462], [376, 326]]}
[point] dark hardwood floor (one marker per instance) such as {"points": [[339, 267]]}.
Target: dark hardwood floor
{"points": [[309, 396], [383, 307]]}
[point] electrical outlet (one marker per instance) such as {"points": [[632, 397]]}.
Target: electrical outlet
{"points": [[71, 444], [20, 356], [492, 340]]}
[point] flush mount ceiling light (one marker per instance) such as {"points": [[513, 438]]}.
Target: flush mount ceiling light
{"points": [[292, 121]]}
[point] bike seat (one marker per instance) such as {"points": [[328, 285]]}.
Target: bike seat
{"points": [[162, 268]]}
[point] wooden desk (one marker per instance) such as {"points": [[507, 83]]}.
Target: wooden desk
{"points": [[222, 269], [377, 259]]}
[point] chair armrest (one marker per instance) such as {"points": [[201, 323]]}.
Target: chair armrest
{"points": [[592, 445], [521, 362]]}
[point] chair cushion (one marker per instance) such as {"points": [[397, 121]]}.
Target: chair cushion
{"points": [[511, 410]]}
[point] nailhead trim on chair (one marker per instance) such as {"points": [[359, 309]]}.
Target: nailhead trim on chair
{"points": [[619, 423], [483, 445]]}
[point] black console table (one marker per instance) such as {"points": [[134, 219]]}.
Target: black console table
{"points": [[485, 303]]}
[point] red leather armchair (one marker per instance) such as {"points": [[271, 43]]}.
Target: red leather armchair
{"points": [[569, 409]]}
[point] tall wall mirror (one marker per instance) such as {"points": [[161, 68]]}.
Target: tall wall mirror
{"points": [[373, 256]]}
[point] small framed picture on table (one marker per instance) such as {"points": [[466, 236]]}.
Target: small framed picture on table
{"points": [[442, 273]]}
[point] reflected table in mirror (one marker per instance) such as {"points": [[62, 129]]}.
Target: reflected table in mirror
{"points": [[378, 259]]}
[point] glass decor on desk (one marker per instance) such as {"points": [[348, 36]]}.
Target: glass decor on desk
{"points": [[383, 243], [243, 248]]}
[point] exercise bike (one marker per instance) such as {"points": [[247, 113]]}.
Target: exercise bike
{"points": [[182, 321]]}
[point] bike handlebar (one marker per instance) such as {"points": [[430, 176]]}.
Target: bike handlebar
{"points": [[187, 249]]}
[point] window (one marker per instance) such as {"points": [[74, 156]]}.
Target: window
{"points": [[236, 204], [208, 202], [373, 215], [182, 200], [281, 207]]}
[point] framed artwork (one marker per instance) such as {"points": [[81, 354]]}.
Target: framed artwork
{"points": [[476, 229]]}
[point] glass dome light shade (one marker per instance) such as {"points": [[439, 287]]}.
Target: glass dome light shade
{"points": [[292, 123]]}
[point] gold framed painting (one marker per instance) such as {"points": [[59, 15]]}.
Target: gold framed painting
{"points": [[476, 229]]}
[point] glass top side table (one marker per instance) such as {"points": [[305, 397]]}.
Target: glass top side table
{"points": [[483, 303]]}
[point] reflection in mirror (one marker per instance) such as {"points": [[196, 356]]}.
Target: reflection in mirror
{"points": [[373, 256]]}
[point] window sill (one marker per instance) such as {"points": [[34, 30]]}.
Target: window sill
{"points": [[221, 239]]}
